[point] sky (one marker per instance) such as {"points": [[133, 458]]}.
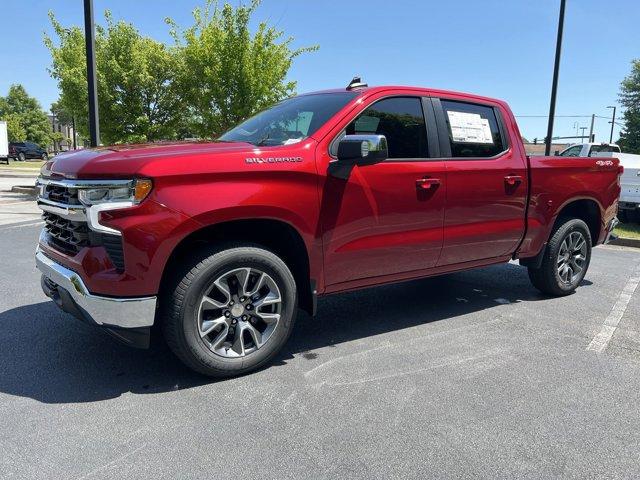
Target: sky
{"points": [[498, 48]]}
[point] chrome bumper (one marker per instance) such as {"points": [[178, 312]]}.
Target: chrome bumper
{"points": [[104, 311]]}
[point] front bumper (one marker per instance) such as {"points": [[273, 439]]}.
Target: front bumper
{"points": [[118, 315]]}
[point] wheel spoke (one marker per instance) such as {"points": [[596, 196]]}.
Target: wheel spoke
{"points": [[209, 303], [238, 341], [208, 326], [261, 281], [255, 335], [269, 317], [269, 299], [243, 276]]}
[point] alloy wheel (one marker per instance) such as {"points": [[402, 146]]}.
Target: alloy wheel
{"points": [[239, 312], [572, 257]]}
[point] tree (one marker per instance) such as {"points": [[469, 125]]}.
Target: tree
{"points": [[25, 118], [226, 74], [630, 100], [137, 93]]}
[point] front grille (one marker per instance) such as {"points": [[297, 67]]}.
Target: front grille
{"points": [[62, 194], [64, 234]]}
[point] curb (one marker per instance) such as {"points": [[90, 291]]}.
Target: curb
{"points": [[625, 242]]}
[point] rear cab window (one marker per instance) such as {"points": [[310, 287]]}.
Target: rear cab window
{"points": [[572, 151], [474, 130]]}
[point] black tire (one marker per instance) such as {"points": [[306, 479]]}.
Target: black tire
{"points": [[45, 157], [21, 157], [179, 316], [546, 278]]}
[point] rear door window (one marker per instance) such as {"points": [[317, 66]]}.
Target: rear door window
{"points": [[473, 130]]}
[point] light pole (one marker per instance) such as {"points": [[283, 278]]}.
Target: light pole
{"points": [[92, 84], [613, 122], [583, 129], [554, 86]]}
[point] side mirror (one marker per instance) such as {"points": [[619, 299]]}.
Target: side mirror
{"points": [[362, 149]]}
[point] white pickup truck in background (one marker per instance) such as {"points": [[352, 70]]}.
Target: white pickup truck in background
{"points": [[4, 143], [629, 205], [590, 150]]}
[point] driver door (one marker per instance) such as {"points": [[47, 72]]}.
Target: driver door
{"points": [[385, 219]]}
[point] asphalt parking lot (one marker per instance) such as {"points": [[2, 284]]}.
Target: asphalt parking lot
{"points": [[472, 374]]}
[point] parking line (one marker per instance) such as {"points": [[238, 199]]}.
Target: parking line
{"points": [[603, 337]]}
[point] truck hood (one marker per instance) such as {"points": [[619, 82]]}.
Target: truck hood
{"points": [[127, 160]]}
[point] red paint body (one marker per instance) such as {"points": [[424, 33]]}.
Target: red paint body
{"points": [[390, 221]]}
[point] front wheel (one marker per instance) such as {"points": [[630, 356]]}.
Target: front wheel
{"points": [[566, 259], [21, 157], [230, 310], [45, 157]]}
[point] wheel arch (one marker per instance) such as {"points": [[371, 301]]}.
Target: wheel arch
{"points": [[586, 209], [275, 235]]}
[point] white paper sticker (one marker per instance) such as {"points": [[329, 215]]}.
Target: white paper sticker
{"points": [[469, 128]]}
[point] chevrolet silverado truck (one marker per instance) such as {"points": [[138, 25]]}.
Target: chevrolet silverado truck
{"points": [[218, 244]]}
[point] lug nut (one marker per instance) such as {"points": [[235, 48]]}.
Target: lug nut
{"points": [[233, 322], [231, 302], [242, 299], [249, 307], [244, 317], [227, 313]]}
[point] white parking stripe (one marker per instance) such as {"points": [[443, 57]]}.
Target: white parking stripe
{"points": [[603, 337]]}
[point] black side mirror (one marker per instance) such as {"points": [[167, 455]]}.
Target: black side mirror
{"points": [[362, 149]]}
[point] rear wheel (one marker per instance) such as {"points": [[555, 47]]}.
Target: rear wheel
{"points": [[22, 157], [45, 157], [566, 259], [231, 311]]}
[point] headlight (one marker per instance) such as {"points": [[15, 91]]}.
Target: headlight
{"points": [[133, 191]]}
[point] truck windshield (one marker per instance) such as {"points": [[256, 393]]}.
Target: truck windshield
{"points": [[289, 121]]}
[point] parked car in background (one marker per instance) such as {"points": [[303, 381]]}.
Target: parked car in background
{"points": [[24, 150], [589, 150]]}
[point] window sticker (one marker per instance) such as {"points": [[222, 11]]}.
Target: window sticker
{"points": [[469, 128]]}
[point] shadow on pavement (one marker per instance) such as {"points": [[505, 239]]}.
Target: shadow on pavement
{"points": [[49, 356]]}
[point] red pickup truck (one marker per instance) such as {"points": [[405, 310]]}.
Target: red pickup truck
{"points": [[219, 243]]}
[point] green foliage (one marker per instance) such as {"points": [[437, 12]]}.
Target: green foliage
{"points": [[226, 74], [25, 118], [137, 96], [216, 74], [630, 99]]}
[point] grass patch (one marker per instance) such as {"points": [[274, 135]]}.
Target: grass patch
{"points": [[628, 230], [31, 165]]}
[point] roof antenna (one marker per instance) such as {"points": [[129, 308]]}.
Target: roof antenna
{"points": [[356, 82]]}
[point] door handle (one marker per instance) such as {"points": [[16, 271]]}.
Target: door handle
{"points": [[427, 183], [513, 180]]}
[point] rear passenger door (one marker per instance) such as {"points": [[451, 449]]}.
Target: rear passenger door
{"points": [[486, 181]]}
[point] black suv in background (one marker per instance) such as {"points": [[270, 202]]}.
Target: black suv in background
{"points": [[23, 150]]}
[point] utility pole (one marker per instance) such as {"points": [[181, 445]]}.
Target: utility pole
{"points": [[92, 84], [613, 122], [75, 137], [593, 119], [583, 129], [554, 86]]}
